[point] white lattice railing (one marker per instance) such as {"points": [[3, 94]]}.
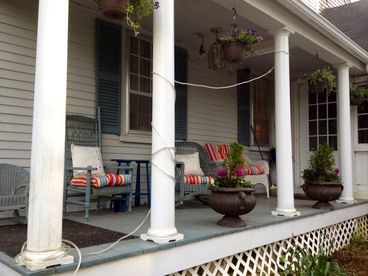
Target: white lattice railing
{"points": [[263, 260]]}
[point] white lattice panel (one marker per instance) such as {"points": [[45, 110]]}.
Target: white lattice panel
{"points": [[263, 260]]}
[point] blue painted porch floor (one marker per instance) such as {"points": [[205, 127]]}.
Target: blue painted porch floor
{"points": [[193, 219]]}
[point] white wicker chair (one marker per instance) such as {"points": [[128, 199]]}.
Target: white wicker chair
{"points": [[14, 183]]}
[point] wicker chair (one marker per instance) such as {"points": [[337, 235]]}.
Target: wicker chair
{"points": [[14, 183], [209, 169], [85, 131]]}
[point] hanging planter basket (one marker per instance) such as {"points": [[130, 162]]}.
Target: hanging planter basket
{"points": [[234, 51], [355, 100], [114, 9], [317, 87]]}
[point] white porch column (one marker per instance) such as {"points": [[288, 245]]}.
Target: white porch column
{"points": [[44, 247], [284, 163], [162, 228], [345, 147]]}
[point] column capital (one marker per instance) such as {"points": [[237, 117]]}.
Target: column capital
{"points": [[281, 31], [342, 65]]}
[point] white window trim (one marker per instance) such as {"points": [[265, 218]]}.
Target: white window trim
{"points": [[128, 135]]}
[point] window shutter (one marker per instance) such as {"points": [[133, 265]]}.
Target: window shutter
{"points": [[108, 75], [181, 103], [244, 107]]}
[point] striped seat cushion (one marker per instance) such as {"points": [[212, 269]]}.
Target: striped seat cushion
{"points": [[107, 180], [253, 170], [223, 151], [212, 153], [197, 180]]}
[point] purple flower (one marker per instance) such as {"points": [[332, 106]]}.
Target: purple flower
{"points": [[337, 170], [252, 32], [221, 172], [240, 172], [156, 4]]}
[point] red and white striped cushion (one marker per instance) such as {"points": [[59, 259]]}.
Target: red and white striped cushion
{"points": [[223, 151], [212, 153], [107, 180], [253, 170], [197, 180]]}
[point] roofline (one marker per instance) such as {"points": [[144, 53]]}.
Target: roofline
{"points": [[326, 28]]}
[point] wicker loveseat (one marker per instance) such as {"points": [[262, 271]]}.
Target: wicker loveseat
{"points": [[209, 169], [14, 183]]}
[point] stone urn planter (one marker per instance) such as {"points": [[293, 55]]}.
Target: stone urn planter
{"points": [[114, 9], [323, 192], [232, 202], [234, 51]]}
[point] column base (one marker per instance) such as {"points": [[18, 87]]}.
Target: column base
{"points": [[162, 240], [286, 213], [41, 260], [346, 201]]}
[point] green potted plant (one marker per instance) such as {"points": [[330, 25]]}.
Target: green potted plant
{"points": [[359, 95], [232, 195], [238, 43], [322, 79], [132, 10], [322, 181]]}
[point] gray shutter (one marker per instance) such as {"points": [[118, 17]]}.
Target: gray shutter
{"points": [[108, 75], [181, 104], [244, 107]]}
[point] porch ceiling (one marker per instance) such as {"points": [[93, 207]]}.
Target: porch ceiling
{"points": [[199, 16]]}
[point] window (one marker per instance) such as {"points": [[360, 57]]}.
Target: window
{"points": [[140, 83], [322, 119], [363, 123], [261, 98], [134, 70]]}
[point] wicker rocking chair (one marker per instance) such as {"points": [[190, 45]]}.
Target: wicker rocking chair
{"points": [[14, 183], [85, 131], [209, 169]]}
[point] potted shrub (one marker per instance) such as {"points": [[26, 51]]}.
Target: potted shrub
{"points": [[322, 181], [232, 195], [358, 95], [322, 79], [239, 43], [132, 10]]}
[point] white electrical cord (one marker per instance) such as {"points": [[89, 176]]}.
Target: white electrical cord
{"points": [[66, 249], [217, 87]]}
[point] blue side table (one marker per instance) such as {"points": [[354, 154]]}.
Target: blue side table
{"points": [[137, 192]]}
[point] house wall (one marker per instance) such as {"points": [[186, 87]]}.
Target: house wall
{"points": [[212, 115]]}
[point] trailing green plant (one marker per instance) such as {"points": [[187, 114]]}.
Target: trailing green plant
{"points": [[136, 10], [301, 262], [321, 76], [360, 93], [248, 37], [322, 166], [232, 173], [357, 239]]}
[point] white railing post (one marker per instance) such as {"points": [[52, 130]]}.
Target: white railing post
{"points": [[44, 247], [162, 228], [284, 163]]}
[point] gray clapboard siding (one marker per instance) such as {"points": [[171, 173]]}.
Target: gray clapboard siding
{"points": [[212, 115]]}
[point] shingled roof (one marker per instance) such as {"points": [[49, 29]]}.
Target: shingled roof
{"points": [[352, 19]]}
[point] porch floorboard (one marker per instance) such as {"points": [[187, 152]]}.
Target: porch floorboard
{"points": [[193, 219]]}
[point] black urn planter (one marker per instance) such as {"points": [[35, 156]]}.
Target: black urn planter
{"points": [[232, 202], [234, 51], [323, 192]]}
